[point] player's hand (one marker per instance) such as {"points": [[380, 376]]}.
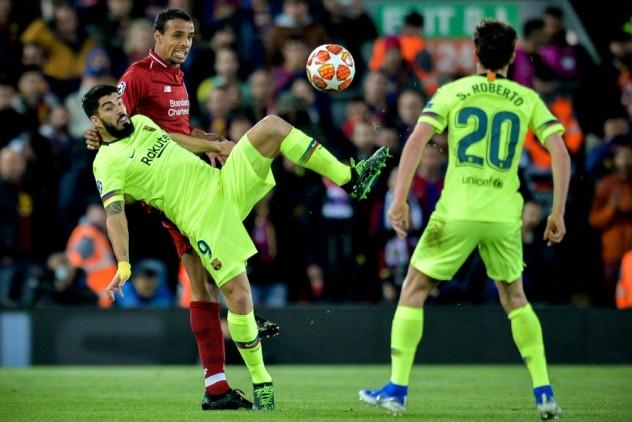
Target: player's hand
{"points": [[214, 137], [93, 139], [211, 137], [214, 157], [555, 229], [123, 273], [399, 216], [225, 147]]}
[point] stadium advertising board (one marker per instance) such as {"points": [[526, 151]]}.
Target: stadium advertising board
{"points": [[448, 26]]}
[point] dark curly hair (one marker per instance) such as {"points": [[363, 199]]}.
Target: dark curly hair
{"points": [[494, 42], [90, 101], [166, 15]]}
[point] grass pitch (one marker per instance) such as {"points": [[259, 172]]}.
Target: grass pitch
{"points": [[437, 393]]}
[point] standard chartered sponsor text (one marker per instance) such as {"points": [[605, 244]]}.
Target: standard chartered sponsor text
{"points": [[178, 107]]}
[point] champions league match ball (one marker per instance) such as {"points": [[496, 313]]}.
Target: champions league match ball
{"points": [[330, 68]]}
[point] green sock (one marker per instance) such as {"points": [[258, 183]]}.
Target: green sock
{"points": [[243, 330], [527, 334], [307, 152], [405, 336]]}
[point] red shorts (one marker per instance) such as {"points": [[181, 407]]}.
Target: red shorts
{"points": [[179, 240]]}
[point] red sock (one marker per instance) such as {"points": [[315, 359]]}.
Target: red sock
{"points": [[207, 330]]}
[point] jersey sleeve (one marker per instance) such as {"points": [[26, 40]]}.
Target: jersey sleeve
{"points": [[131, 87], [109, 180], [435, 113], [543, 123]]}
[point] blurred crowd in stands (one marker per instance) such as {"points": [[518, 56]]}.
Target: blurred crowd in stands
{"points": [[315, 244]]}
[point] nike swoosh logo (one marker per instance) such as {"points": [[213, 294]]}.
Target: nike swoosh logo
{"points": [[132, 154]]}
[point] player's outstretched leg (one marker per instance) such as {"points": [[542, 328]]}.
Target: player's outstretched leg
{"points": [[527, 334], [273, 135], [406, 333]]}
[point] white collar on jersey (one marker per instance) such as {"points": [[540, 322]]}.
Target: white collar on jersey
{"points": [[155, 57]]}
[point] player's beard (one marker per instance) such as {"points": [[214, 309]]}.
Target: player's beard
{"points": [[117, 133]]}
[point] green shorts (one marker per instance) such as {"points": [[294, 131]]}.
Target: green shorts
{"points": [[221, 240], [446, 244]]}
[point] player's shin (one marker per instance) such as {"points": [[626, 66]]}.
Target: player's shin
{"points": [[306, 152], [243, 330], [527, 334], [406, 334]]}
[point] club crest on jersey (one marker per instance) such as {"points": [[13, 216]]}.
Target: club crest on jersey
{"points": [[149, 128], [121, 87], [167, 88], [216, 264]]}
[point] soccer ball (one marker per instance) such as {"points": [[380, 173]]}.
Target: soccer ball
{"points": [[330, 68]]}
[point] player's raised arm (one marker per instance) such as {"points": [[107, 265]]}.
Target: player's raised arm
{"points": [[561, 166], [398, 213], [116, 224]]}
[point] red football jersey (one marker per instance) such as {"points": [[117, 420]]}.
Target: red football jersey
{"points": [[152, 88]]}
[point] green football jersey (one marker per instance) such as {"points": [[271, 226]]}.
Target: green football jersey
{"points": [[149, 166], [487, 122]]}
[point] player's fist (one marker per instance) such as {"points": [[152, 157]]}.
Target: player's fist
{"points": [[93, 139], [399, 217], [555, 229]]}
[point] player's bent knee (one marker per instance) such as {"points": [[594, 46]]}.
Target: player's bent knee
{"points": [[419, 281], [516, 302], [276, 127], [239, 303], [416, 288], [238, 296], [268, 134], [273, 120], [513, 302]]}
